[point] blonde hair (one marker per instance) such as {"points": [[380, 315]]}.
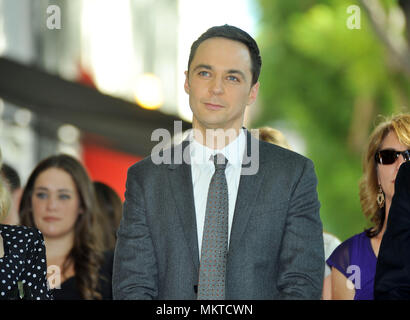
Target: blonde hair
{"points": [[369, 185], [273, 136], [4, 196]]}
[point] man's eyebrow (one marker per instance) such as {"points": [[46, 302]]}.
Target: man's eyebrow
{"points": [[202, 66], [237, 72]]}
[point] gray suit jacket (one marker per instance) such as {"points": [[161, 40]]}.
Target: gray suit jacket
{"points": [[276, 244]]}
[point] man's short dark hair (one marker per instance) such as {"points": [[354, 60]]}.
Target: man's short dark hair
{"points": [[11, 177], [236, 34]]}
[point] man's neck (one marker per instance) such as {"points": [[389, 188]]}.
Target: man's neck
{"points": [[215, 139]]}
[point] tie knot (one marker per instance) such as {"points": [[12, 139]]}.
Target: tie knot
{"points": [[220, 162]]}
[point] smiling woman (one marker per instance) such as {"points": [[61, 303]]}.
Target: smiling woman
{"points": [[59, 200]]}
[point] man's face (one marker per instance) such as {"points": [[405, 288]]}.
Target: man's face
{"points": [[219, 84]]}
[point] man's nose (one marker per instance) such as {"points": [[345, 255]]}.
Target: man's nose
{"points": [[216, 86]]}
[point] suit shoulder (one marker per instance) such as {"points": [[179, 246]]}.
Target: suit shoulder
{"points": [[277, 153], [283, 162], [155, 163], [141, 164]]}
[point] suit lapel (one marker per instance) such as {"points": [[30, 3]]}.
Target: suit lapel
{"points": [[248, 190], [181, 185]]}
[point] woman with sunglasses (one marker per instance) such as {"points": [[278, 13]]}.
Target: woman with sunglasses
{"points": [[353, 263]]}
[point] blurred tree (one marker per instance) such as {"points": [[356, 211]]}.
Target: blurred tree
{"points": [[330, 83]]}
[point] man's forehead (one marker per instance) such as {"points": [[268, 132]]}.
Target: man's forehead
{"points": [[221, 42], [222, 52]]}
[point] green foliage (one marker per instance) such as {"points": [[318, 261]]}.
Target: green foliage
{"points": [[315, 72]]}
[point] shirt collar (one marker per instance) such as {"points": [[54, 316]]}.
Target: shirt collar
{"points": [[201, 154]]}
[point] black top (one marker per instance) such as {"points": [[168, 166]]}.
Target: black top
{"points": [[23, 268], [392, 280], [70, 291]]}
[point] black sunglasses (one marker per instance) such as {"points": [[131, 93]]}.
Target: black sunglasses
{"points": [[390, 156]]}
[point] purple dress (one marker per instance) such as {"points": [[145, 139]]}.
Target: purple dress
{"points": [[356, 260]]}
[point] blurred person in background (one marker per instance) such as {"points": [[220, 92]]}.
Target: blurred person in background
{"points": [[353, 263], [330, 241], [23, 267], [59, 200], [12, 181], [392, 280], [271, 135], [110, 212]]}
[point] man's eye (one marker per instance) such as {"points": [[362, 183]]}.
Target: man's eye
{"points": [[204, 73], [233, 78]]}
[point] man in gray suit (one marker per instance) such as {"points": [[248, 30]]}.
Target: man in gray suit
{"points": [[274, 233]]}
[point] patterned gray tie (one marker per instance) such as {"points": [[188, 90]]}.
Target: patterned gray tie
{"points": [[214, 250]]}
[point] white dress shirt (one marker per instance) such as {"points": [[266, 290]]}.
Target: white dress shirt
{"points": [[202, 169]]}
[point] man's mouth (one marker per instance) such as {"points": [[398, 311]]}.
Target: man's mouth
{"points": [[213, 106]]}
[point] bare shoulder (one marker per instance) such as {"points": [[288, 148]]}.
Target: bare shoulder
{"points": [[342, 288]]}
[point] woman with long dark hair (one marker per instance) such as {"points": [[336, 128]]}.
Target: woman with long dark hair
{"points": [[59, 200]]}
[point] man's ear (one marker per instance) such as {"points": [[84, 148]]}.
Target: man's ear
{"points": [[253, 93], [186, 84]]}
